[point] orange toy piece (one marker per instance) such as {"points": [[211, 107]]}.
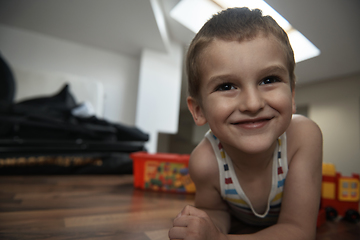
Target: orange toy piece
{"points": [[340, 195], [162, 172]]}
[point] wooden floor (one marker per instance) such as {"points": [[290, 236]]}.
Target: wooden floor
{"points": [[101, 207]]}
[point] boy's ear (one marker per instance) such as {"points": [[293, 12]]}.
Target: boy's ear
{"points": [[196, 112], [293, 101]]}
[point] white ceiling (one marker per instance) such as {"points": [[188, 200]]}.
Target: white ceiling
{"points": [[128, 26]]}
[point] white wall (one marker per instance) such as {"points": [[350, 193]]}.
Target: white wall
{"points": [[159, 93], [335, 106], [118, 73]]}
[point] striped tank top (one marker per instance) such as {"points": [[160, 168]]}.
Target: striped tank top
{"points": [[235, 197]]}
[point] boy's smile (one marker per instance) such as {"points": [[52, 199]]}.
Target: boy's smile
{"points": [[245, 93], [252, 123]]}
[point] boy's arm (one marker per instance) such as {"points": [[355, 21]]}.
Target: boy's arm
{"points": [[301, 198], [204, 171], [302, 190], [209, 219]]}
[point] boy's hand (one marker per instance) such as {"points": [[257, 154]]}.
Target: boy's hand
{"points": [[194, 224]]}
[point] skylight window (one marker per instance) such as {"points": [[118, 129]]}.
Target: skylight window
{"points": [[194, 13]]}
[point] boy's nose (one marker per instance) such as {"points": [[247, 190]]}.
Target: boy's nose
{"points": [[251, 100]]}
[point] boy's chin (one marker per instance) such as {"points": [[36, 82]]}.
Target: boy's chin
{"points": [[258, 148]]}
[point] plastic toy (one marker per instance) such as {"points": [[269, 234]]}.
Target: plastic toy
{"points": [[339, 195], [162, 172]]}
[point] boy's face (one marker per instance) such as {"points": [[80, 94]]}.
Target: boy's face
{"points": [[245, 93]]}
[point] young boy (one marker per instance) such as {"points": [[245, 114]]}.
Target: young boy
{"points": [[258, 163]]}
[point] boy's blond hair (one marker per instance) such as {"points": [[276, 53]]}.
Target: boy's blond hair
{"points": [[233, 24]]}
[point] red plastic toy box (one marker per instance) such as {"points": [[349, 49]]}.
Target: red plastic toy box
{"points": [[162, 172]]}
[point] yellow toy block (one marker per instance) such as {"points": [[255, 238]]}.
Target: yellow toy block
{"points": [[328, 169]]}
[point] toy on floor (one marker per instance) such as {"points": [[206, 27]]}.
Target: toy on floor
{"points": [[162, 172], [339, 195]]}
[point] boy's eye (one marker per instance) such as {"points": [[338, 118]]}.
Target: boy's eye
{"points": [[225, 87], [269, 80]]}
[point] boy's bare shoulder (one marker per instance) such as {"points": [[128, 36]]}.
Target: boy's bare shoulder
{"points": [[301, 125], [203, 164], [303, 133]]}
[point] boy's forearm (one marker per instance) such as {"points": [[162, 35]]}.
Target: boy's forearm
{"points": [[220, 218]]}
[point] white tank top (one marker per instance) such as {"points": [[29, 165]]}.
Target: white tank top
{"points": [[233, 194]]}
